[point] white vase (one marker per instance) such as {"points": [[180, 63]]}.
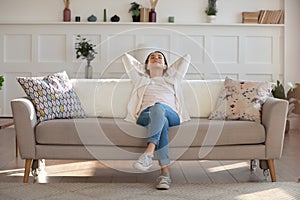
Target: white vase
{"points": [[88, 70], [211, 18]]}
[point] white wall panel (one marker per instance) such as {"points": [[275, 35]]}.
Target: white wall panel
{"points": [[258, 50], [191, 44], [250, 52], [52, 48], [155, 40], [118, 44], [17, 48], [260, 77], [224, 49]]}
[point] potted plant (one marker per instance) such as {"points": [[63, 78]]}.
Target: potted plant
{"points": [[278, 92], [85, 50], [1, 81], [211, 10], [135, 11]]}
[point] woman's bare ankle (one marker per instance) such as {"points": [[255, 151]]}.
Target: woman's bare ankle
{"points": [[150, 148]]}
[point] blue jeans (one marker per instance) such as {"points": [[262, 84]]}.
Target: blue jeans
{"points": [[158, 118]]}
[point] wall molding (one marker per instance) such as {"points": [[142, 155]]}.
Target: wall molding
{"points": [[242, 51]]}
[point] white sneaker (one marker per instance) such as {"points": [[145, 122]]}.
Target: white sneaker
{"points": [[163, 182], [144, 162]]}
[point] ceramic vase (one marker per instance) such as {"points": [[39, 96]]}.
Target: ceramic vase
{"points": [[88, 70], [67, 15], [67, 11], [152, 15]]}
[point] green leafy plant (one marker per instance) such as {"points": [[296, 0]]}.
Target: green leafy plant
{"points": [[211, 8], [1, 81], [135, 9], [278, 91], [84, 48]]}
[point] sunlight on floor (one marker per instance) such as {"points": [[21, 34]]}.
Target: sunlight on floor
{"points": [[275, 192], [227, 167], [11, 170]]}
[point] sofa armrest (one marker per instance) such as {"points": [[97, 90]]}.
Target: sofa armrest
{"points": [[274, 115], [25, 121]]}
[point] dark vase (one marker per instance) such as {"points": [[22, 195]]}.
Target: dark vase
{"points": [[115, 18], [104, 15], [136, 18], [152, 15], [67, 15]]}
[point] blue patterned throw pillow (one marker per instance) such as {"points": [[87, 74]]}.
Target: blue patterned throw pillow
{"points": [[52, 96]]}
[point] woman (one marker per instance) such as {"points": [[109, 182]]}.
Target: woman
{"points": [[156, 103]]}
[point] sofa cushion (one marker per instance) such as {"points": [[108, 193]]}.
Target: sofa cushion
{"points": [[109, 131], [103, 97], [109, 97], [241, 100], [53, 96], [200, 96]]}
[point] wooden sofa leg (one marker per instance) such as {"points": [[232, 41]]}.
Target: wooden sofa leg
{"points": [[272, 170], [27, 170]]}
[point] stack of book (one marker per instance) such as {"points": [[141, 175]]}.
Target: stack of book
{"points": [[264, 17], [271, 17], [250, 17]]}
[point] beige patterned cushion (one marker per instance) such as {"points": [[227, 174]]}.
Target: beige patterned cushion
{"points": [[53, 96], [241, 100]]}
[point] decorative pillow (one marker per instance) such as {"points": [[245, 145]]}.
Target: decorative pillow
{"points": [[241, 100], [53, 96]]}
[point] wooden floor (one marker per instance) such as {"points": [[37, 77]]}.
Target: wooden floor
{"points": [[287, 168]]}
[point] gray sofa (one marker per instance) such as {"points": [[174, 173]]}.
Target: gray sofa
{"points": [[105, 136]]}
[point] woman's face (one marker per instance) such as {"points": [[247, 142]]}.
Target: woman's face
{"points": [[156, 59]]}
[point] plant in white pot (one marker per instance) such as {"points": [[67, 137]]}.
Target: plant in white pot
{"points": [[211, 11], [85, 50]]}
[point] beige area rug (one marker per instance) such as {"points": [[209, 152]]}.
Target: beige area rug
{"points": [[131, 191]]}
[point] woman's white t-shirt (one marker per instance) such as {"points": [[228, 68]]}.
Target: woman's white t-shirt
{"points": [[159, 90]]}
